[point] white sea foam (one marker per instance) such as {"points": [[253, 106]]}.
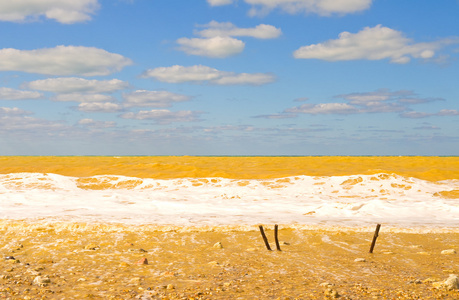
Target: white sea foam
{"points": [[357, 200]]}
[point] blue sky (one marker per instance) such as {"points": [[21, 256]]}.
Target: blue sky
{"points": [[229, 77]]}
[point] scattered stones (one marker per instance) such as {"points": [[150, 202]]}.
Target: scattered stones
{"points": [[218, 245], [142, 261], [448, 251], [360, 260], [41, 281]]}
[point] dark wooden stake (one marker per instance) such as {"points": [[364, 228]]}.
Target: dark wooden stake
{"points": [[275, 237], [265, 239], [374, 238]]}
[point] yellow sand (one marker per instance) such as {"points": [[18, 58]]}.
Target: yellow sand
{"points": [[99, 262]]}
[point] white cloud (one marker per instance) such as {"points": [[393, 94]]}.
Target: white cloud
{"points": [[216, 47], [107, 107], [324, 108], [63, 60], [143, 98], [371, 43], [379, 101], [199, 74], [96, 124], [163, 116], [448, 112], [12, 94], [223, 29], [219, 2], [320, 7], [7, 111], [76, 85], [63, 11], [77, 97]]}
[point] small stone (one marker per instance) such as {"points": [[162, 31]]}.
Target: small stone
{"points": [[142, 261], [124, 264], [135, 280], [91, 247], [213, 263], [218, 245], [41, 281], [448, 251], [452, 283], [331, 293], [360, 260], [170, 287], [326, 284], [9, 257], [81, 280]]}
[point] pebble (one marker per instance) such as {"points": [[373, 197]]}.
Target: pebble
{"points": [[331, 293], [218, 245], [142, 261], [360, 260], [452, 283], [91, 247], [9, 257], [170, 287], [449, 251], [41, 281]]}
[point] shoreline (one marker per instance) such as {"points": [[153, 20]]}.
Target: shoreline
{"points": [[107, 261], [33, 224]]}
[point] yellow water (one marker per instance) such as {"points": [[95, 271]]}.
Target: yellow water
{"points": [[168, 167]]}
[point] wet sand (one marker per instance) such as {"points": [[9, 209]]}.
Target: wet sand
{"points": [[81, 261]]}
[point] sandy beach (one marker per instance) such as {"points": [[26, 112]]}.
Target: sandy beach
{"points": [[44, 260]]}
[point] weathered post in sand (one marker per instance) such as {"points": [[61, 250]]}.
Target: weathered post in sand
{"points": [[276, 238], [374, 238], [265, 239]]}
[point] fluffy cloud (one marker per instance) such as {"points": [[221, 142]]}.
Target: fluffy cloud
{"points": [[106, 107], [63, 11], [371, 43], [216, 47], [163, 116], [199, 74], [12, 94], [320, 7], [76, 85], [77, 97], [142, 98], [63, 60], [261, 31]]}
